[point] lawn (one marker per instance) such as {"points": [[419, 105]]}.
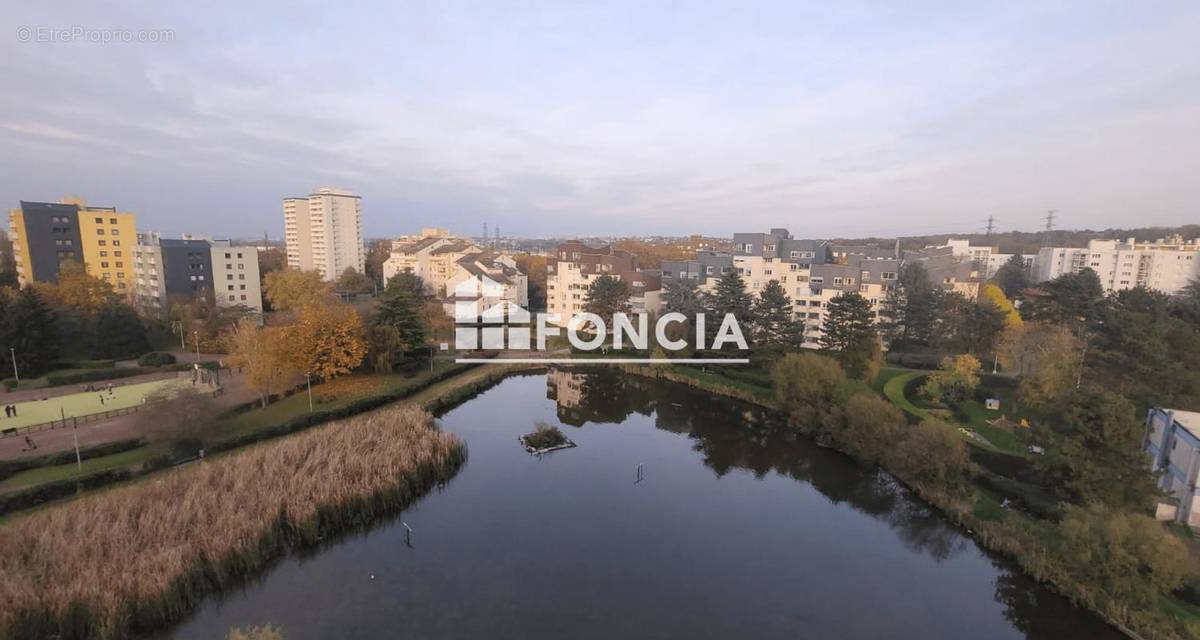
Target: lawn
{"points": [[977, 416], [88, 402], [893, 389], [43, 475], [329, 396]]}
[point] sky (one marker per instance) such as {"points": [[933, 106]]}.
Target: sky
{"points": [[833, 119]]}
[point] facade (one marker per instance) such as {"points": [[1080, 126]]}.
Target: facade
{"points": [[989, 258], [323, 232], [1166, 265], [872, 278], [706, 269], [762, 257], [190, 268], [1174, 448], [575, 265], [433, 256], [502, 283], [950, 272], [44, 234]]}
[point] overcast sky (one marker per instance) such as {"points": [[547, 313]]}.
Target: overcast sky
{"points": [[830, 118]]}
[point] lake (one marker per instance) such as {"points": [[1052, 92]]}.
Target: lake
{"points": [[736, 528]]}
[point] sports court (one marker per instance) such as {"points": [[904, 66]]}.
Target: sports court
{"points": [[89, 402]]}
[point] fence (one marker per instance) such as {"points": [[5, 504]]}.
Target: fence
{"points": [[75, 421]]}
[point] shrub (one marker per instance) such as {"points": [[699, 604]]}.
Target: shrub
{"points": [[931, 453], [954, 381], [545, 437], [84, 364], [809, 389], [871, 426], [156, 359]]}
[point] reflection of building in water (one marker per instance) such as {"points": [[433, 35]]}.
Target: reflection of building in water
{"points": [[564, 388]]}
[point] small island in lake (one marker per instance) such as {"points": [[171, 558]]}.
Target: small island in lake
{"points": [[545, 439]]}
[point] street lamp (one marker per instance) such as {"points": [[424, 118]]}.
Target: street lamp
{"points": [[16, 374], [308, 383], [196, 339]]}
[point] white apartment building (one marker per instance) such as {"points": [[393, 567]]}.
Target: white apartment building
{"points": [[1166, 265], [1174, 448], [575, 266], [235, 276], [323, 232], [486, 280]]}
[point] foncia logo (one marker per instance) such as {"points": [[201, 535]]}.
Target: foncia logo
{"points": [[485, 319]]}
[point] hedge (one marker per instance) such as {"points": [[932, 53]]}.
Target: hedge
{"points": [[84, 364], [9, 468], [156, 359], [57, 490]]}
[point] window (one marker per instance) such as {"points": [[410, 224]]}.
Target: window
{"points": [[120, 265], [866, 275], [888, 275], [99, 220], [116, 232], [228, 266], [243, 296], [104, 265], [102, 242], [112, 220], [230, 287], [227, 256], [99, 232], [229, 276], [116, 243], [769, 247]]}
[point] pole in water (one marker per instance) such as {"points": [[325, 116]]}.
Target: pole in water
{"points": [[640, 473], [407, 533]]}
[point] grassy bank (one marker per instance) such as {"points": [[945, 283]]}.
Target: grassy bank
{"points": [[340, 398], [138, 557]]}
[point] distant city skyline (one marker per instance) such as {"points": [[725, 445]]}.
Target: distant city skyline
{"points": [[845, 120]]}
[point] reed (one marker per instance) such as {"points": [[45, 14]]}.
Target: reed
{"points": [[136, 558]]}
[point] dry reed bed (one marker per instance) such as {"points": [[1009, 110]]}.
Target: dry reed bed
{"points": [[138, 557]]}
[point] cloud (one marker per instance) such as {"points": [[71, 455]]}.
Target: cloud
{"points": [[831, 120]]}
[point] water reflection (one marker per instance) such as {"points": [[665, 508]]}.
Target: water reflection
{"points": [[731, 435]]}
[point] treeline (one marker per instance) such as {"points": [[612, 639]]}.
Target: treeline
{"points": [[78, 317]]}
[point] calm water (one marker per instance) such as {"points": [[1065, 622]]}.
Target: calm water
{"points": [[736, 530]]}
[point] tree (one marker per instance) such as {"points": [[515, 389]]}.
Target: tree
{"points": [[262, 354], [397, 327], [871, 427], [729, 297], [1012, 277], [291, 290], [351, 281], [606, 297], [8, 264], [682, 295], [407, 283], [910, 306], [267, 632], [534, 267], [118, 332], [1048, 359], [954, 381], [774, 329], [182, 420], [77, 290], [1186, 304], [378, 251], [1072, 298], [999, 299], [932, 454], [327, 340], [849, 330], [810, 390], [1095, 452], [28, 328], [1127, 557]]}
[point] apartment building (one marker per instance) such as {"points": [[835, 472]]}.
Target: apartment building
{"points": [[1173, 442], [705, 270], [44, 234], [575, 265], [775, 255], [949, 272], [323, 232], [872, 278], [433, 256], [989, 258], [485, 280], [1166, 265], [188, 268]]}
